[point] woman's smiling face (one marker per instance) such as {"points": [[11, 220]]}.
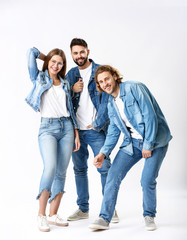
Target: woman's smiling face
{"points": [[55, 65]]}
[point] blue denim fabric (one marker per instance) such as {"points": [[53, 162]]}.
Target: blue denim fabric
{"points": [[99, 100], [95, 140], [42, 82], [144, 114], [118, 170], [56, 139]]}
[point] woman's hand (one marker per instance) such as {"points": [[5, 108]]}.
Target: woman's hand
{"points": [[42, 56], [77, 141]]}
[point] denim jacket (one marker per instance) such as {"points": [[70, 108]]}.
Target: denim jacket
{"points": [[42, 82], [99, 100], [144, 114]]}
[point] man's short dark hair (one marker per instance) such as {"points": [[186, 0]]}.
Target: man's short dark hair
{"points": [[78, 41]]}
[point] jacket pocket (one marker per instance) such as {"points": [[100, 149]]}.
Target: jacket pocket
{"points": [[133, 106]]}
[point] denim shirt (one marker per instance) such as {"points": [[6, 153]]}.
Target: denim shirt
{"points": [[41, 82], [99, 100], [144, 114]]}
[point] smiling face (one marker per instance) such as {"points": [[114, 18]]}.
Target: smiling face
{"points": [[80, 55], [55, 65], [108, 83]]}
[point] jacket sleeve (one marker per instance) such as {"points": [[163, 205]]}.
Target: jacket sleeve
{"points": [[32, 55], [71, 83], [72, 113], [102, 120], [112, 137], [144, 99]]}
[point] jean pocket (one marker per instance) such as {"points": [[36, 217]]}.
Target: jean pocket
{"points": [[44, 125]]}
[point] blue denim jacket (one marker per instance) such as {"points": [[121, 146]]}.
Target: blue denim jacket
{"points": [[42, 82], [144, 114], [99, 100]]}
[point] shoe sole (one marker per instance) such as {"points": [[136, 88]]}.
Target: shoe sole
{"points": [[150, 228], [76, 219], [58, 224], [98, 227], [44, 230], [115, 221]]}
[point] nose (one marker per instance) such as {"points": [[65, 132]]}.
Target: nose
{"points": [[104, 84]]}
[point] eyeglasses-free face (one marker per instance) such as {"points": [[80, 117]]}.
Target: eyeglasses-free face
{"points": [[79, 55]]}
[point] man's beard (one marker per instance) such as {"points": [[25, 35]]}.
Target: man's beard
{"points": [[81, 64]]}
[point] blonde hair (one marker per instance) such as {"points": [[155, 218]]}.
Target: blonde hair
{"points": [[111, 70]]}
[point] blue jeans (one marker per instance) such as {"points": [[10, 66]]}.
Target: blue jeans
{"points": [[95, 140], [56, 139], [120, 166]]}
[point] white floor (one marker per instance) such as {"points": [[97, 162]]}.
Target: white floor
{"points": [[18, 221]]}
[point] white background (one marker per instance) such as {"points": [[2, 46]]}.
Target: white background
{"points": [[146, 41]]}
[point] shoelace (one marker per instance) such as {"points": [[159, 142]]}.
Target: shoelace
{"points": [[149, 219], [43, 220], [58, 217]]}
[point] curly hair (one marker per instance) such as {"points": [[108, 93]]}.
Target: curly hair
{"points": [[111, 70]]}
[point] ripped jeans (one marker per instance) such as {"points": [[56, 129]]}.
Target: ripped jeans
{"points": [[56, 140]]}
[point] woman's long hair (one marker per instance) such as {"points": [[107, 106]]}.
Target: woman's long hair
{"points": [[53, 52]]}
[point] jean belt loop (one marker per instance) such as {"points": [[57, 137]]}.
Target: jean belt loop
{"points": [[139, 143]]}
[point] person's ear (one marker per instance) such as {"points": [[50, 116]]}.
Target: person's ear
{"points": [[115, 77]]}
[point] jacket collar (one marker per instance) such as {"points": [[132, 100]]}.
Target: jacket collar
{"points": [[50, 79], [122, 91]]}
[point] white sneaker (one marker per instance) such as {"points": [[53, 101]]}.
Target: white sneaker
{"points": [[57, 220], [149, 223], [115, 218], [43, 223]]}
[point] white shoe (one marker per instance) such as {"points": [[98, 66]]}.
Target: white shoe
{"points": [[115, 218], [57, 220], [43, 223], [149, 223]]}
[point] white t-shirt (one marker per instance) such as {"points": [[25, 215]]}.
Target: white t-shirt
{"points": [[86, 112], [120, 106], [53, 103]]}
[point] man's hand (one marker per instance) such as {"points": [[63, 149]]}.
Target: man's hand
{"points": [[146, 153], [78, 86], [98, 160], [90, 127]]}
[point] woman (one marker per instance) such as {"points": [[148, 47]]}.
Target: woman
{"points": [[58, 130]]}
